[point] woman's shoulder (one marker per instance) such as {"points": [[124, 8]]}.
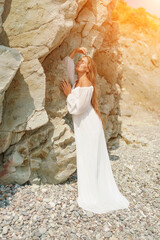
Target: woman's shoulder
{"points": [[86, 83], [83, 89]]}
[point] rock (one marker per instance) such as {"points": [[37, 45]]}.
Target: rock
{"points": [[1, 11], [155, 60], [98, 236], [89, 214], [36, 131], [52, 204], [106, 228], [5, 230], [10, 62], [108, 234], [42, 230], [113, 238]]}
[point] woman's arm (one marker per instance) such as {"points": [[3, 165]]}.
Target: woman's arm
{"points": [[70, 66], [82, 50], [79, 101], [71, 55]]}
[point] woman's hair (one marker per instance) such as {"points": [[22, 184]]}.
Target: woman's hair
{"points": [[92, 76]]}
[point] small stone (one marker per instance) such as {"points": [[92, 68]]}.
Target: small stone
{"points": [[150, 237], [98, 236], [5, 230], [43, 190], [108, 234], [37, 234], [106, 229], [113, 238], [49, 207], [72, 208], [51, 232], [76, 213], [89, 214], [42, 230], [74, 230], [52, 204], [46, 200]]}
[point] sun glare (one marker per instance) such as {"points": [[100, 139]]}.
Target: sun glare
{"points": [[151, 6]]}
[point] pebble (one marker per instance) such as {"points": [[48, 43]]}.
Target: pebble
{"points": [[90, 214], [42, 230], [98, 236], [5, 230], [106, 228], [108, 234]]}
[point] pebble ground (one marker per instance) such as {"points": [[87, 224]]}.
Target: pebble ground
{"points": [[50, 212]]}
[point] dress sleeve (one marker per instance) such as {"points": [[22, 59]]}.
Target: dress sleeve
{"points": [[69, 63], [79, 100]]}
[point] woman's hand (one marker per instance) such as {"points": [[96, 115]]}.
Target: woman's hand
{"points": [[82, 50], [66, 87]]}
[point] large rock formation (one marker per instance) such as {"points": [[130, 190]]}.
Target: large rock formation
{"points": [[36, 132]]}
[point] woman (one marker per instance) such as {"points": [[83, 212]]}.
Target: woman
{"points": [[97, 189]]}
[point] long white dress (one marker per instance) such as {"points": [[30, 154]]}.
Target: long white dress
{"points": [[97, 189]]}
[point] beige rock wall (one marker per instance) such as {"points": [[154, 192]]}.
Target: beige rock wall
{"points": [[38, 142], [141, 75]]}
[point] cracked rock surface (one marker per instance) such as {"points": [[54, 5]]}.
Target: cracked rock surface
{"points": [[36, 132]]}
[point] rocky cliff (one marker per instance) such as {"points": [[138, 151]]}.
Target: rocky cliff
{"points": [[36, 134]]}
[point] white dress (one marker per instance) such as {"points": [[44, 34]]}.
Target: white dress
{"points": [[97, 189]]}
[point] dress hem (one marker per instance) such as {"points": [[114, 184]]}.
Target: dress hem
{"points": [[86, 208]]}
